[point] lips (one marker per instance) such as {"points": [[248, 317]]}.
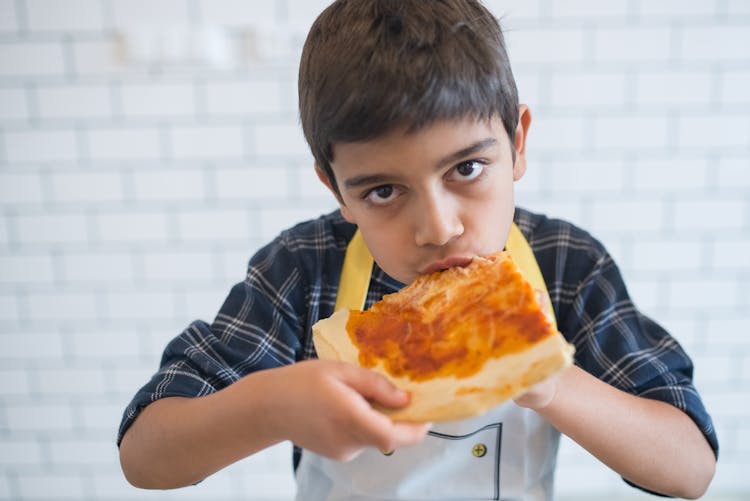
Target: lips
{"points": [[444, 264]]}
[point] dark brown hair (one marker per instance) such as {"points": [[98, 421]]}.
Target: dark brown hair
{"points": [[369, 66]]}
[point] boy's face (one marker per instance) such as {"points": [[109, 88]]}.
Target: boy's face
{"points": [[433, 199]]}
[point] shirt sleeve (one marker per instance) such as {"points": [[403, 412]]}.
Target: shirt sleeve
{"points": [[621, 346], [258, 327]]}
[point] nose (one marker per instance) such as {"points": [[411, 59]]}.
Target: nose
{"points": [[438, 222]]}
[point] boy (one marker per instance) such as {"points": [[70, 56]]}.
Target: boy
{"points": [[413, 119]]}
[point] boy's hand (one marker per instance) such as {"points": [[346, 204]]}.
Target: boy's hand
{"points": [[324, 407], [540, 395]]}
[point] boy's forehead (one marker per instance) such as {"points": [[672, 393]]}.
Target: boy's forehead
{"points": [[440, 143]]}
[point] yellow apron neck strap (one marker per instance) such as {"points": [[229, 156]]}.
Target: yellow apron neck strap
{"points": [[520, 250], [355, 275], [357, 270]]}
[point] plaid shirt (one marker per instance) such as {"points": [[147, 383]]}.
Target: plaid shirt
{"points": [[292, 283]]}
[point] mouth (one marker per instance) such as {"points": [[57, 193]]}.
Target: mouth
{"points": [[444, 264]]}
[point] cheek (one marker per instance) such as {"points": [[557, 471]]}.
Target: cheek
{"points": [[348, 216], [391, 245], [491, 217], [389, 238], [346, 211]]}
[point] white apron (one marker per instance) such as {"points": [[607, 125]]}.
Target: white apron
{"points": [[507, 453]]}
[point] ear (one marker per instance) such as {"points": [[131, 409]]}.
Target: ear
{"points": [[327, 182], [522, 131]]}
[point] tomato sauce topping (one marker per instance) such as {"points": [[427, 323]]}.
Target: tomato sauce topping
{"points": [[450, 322]]}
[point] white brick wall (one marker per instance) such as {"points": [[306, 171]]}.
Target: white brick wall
{"points": [[207, 142], [118, 144], [31, 59], [247, 97], [146, 13], [132, 195], [72, 15], [157, 100], [39, 146]]}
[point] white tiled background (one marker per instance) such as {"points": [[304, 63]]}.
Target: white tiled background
{"points": [[137, 175]]}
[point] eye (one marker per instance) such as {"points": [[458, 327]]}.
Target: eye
{"points": [[467, 171], [381, 195]]}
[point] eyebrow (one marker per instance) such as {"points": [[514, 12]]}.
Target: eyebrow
{"points": [[451, 158], [470, 150]]}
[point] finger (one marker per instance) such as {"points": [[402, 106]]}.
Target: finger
{"points": [[375, 387], [544, 302], [381, 432], [373, 427], [377, 429], [409, 433], [541, 298], [349, 455]]}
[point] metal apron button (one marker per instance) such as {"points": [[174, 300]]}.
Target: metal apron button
{"points": [[479, 450]]}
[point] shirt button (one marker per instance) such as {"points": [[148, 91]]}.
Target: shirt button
{"points": [[479, 450]]}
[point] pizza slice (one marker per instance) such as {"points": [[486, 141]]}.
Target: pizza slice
{"points": [[461, 341]]}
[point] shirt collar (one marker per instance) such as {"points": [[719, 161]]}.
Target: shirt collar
{"points": [[388, 283]]}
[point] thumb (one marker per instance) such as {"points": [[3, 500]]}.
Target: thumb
{"points": [[376, 388]]}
